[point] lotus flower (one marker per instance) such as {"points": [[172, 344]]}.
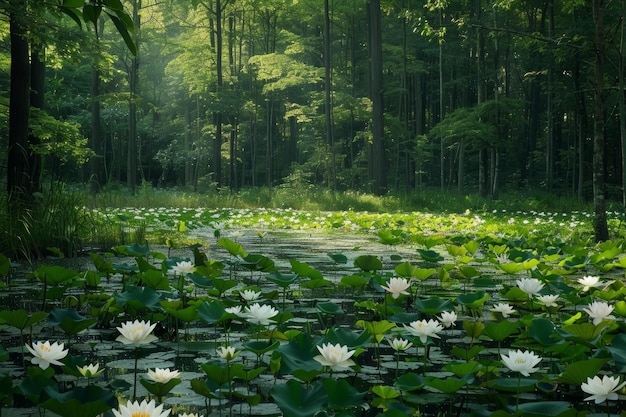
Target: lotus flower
{"points": [[521, 361], [163, 376], [335, 356], [46, 354], [136, 333], [602, 389], [598, 311], [399, 344], [90, 371], [250, 295], [228, 353], [236, 310], [184, 267], [143, 409], [530, 286], [259, 313], [548, 300], [424, 328], [397, 286], [589, 281], [503, 308], [447, 318]]}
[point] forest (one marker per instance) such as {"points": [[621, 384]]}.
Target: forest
{"points": [[378, 96]]}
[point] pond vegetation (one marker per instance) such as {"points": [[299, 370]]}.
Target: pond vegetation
{"points": [[321, 313]]}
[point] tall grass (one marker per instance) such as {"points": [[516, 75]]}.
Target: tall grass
{"points": [[313, 198]]}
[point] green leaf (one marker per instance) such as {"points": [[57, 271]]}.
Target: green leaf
{"points": [[348, 338], [409, 381], [213, 312], [498, 331], [386, 392], [618, 351], [473, 328], [368, 263], [447, 386], [298, 354], [513, 384], [339, 258], [232, 247], [70, 321], [20, 319], [55, 275], [353, 281], [466, 354], [473, 300], [433, 305], [548, 409], [329, 308], [89, 401], [295, 400], [376, 328], [5, 265], [154, 279], [577, 372], [430, 255], [282, 280], [138, 298], [542, 330], [305, 270], [341, 394]]}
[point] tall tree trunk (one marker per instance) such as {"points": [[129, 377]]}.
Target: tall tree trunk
{"points": [[328, 110], [600, 226], [19, 182], [377, 155], [131, 164], [37, 100], [217, 141], [621, 99]]}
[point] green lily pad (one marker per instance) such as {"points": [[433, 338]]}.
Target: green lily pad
{"points": [[296, 400], [89, 401]]}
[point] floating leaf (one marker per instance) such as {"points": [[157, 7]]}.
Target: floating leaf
{"points": [[20, 319], [433, 305], [430, 255], [90, 401], [513, 384], [448, 385], [498, 331], [296, 400], [341, 394], [409, 382], [368, 263], [70, 321], [577, 372]]}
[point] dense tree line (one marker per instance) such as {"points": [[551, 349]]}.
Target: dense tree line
{"points": [[378, 95]]}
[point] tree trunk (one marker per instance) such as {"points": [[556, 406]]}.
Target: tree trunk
{"points": [[131, 164], [19, 181], [600, 226], [377, 150], [37, 100], [328, 110]]}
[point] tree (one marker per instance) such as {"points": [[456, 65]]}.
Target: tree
{"points": [[377, 154], [23, 169]]}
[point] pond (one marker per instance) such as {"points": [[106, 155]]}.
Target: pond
{"points": [[318, 289]]}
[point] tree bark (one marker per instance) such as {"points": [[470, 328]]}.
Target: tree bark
{"points": [[18, 163], [377, 150], [599, 203]]}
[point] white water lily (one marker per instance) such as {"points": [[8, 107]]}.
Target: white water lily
{"points": [[236, 310], [143, 409], [400, 344], [397, 286], [163, 376], [184, 267], [335, 356], [598, 311], [136, 333], [520, 361], [424, 328], [250, 295], [602, 389], [503, 308], [46, 354], [548, 300], [227, 352], [589, 281], [530, 286], [448, 318], [90, 371], [259, 313]]}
